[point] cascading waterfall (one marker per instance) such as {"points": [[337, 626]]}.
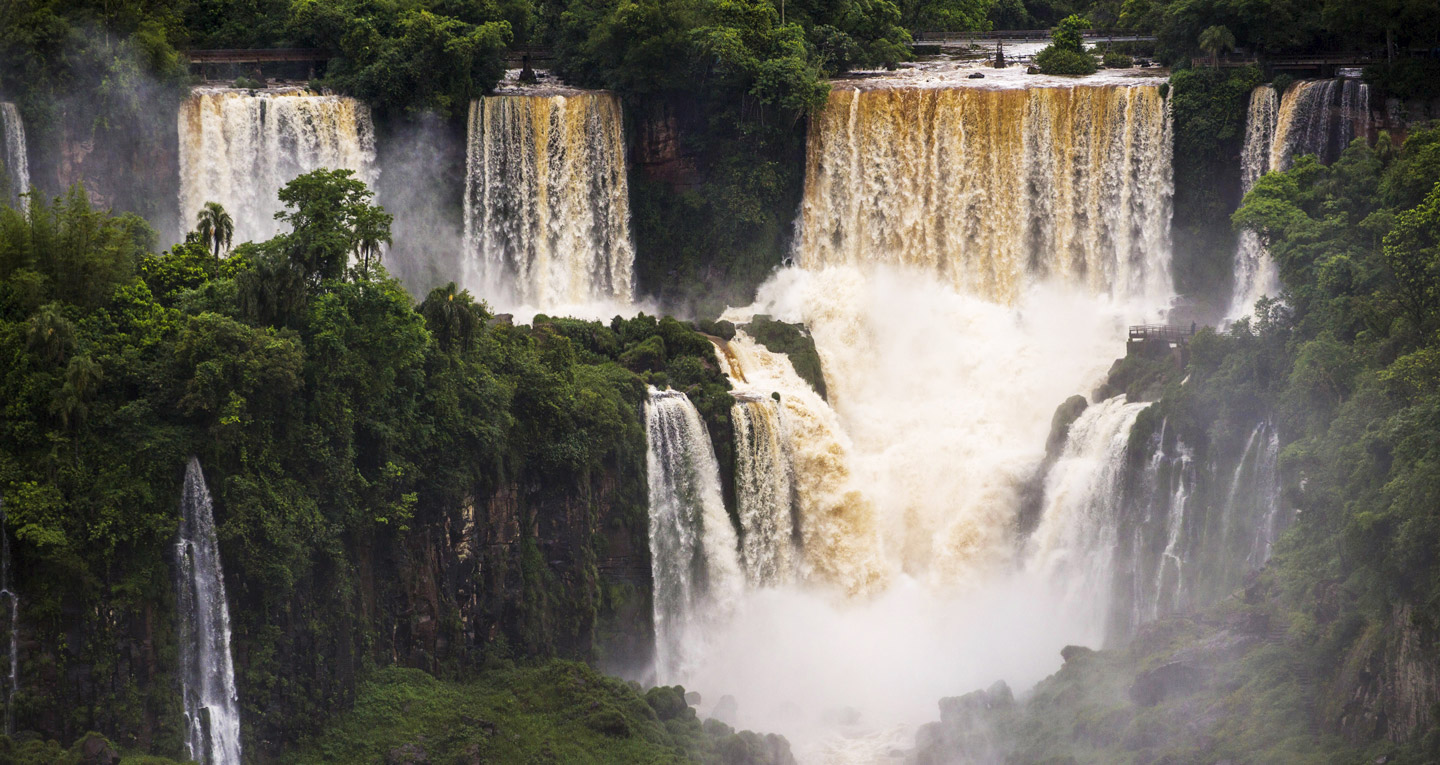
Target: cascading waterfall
{"points": [[1319, 117], [1195, 530], [239, 148], [7, 591], [969, 257], [990, 188], [696, 570], [14, 161], [547, 216], [1079, 529], [1264, 496], [1170, 568], [762, 489], [838, 524], [1255, 273], [207, 673]]}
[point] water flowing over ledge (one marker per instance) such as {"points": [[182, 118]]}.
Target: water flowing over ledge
{"points": [[1319, 117], [239, 148], [14, 159], [992, 188], [547, 211], [207, 671], [692, 544]]}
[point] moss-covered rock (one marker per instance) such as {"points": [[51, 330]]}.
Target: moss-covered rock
{"points": [[555, 712], [794, 341]]}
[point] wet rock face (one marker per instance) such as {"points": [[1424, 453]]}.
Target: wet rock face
{"points": [[131, 168], [969, 729], [1167, 681], [1388, 683], [660, 151]]}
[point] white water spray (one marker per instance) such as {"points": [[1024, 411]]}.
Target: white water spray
{"points": [[207, 673]]}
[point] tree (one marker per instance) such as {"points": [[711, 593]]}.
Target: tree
{"points": [[1066, 52], [215, 228], [452, 317], [1216, 40], [372, 229], [330, 218], [1412, 251]]}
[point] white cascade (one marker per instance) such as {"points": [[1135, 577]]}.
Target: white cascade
{"points": [[763, 491], [1265, 496], [547, 212], [14, 159], [207, 672], [969, 256], [696, 569], [239, 148], [1255, 273], [1074, 545]]}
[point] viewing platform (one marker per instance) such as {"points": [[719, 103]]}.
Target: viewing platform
{"points": [[1161, 339], [230, 62]]}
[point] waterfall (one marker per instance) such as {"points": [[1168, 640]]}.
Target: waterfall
{"points": [[14, 161], [968, 257], [1079, 528], [1319, 117], [239, 148], [839, 532], [547, 216], [207, 674], [987, 188], [762, 489], [1172, 558], [1255, 273], [693, 556], [7, 590], [1264, 497]]}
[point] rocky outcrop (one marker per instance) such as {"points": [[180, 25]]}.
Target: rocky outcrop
{"points": [[659, 150], [1388, 684]]}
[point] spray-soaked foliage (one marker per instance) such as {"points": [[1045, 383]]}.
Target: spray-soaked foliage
{"points": [[1346, 364], [338, 423]]}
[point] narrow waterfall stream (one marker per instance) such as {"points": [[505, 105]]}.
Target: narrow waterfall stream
{"points": [[207, 672], [14, 156]]}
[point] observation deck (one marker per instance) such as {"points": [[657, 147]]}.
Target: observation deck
{"points": [[1161, 339]]}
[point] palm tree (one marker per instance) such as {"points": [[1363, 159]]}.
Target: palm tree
{"points": [[452, 322], [215, 227], [1216, 40]]}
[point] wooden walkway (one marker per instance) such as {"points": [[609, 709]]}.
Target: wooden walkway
{"points": [[255, 55], [974, 39]]}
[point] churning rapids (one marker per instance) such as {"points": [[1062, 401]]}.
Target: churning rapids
{"points": [[967, 259]]}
